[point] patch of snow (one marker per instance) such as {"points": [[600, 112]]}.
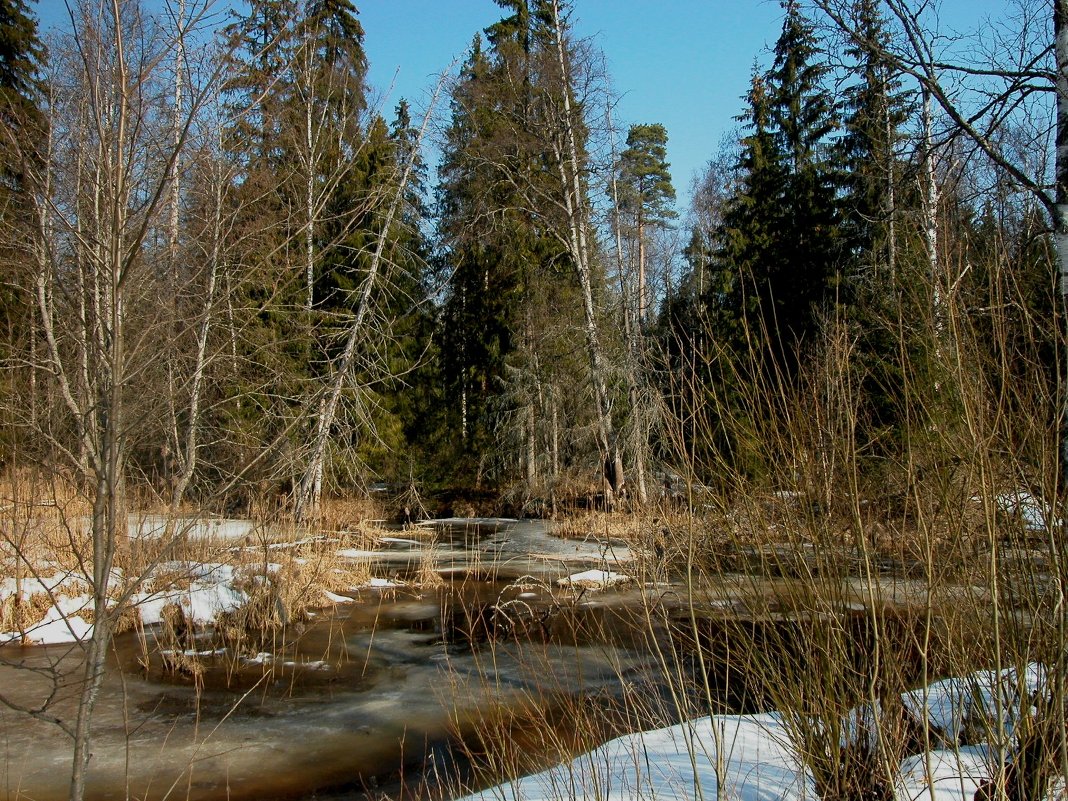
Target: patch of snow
{"points": [[753, 762], [944, 776], [594, 579], [317, 664], [334, 598], [149, 527], [750, 757], [209, 594], [400, 541], [356, 553], [466, 521], [203, 603], [60, 625], [382, 584], [1029, 510], [64, 581], [195, 653], [955, 703]]}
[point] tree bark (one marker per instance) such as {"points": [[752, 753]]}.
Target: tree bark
{"points": [[1060, 208], [575, 207]]}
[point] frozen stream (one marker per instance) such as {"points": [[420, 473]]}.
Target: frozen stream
{"points": [[371, 691], [386, 696]]}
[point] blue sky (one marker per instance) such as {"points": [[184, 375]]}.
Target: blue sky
{"points": [[682, 63]]}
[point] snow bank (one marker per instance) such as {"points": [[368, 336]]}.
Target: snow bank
{"points": [[749, 757], [209, 594], [61, 624], [70, 604], [946, 776], [955, 704], [1029, 510], [755, 764]]}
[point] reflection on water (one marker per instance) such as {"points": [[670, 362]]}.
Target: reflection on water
{"points": [[370, 694]]}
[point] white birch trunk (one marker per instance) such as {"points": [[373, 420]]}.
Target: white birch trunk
{"points": [[306, 488], [891, 202], [930, 222], [109, 515], [1060, 221], [574, 201]]}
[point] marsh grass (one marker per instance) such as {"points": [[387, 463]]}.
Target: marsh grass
{"points": [[831, 563]]}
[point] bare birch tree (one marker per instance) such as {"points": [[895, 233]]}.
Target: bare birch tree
{"points": [[579, 233], [1021, 71], [101, 193], [328, 402]]}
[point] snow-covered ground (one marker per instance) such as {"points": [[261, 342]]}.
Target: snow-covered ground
{"points": [[750, 757]]}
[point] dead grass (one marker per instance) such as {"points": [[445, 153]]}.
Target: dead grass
{"points": [[43, 521], [624, 526]]}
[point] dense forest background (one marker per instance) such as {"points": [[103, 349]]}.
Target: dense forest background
{"points": [[229, 281]]}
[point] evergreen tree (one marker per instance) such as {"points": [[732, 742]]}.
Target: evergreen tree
{"points": [[799, 280], [645, 195], [306, 187], [751, 230], [874, 244], [495, 245], [512, 309], [871, 131], [23, 134], [769, 270], [21, 57], [478, 318], [781, 248]]}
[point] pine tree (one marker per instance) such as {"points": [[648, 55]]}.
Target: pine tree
{"points": [[645, 196]]}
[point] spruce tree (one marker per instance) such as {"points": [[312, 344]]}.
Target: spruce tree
{"points": [[513, 308], [874, 242], [781, 249], [800, 277], [750, 233], [23, 134], [21, 57], [305, 189], [874, 111]]}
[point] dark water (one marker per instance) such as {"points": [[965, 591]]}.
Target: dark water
{"points": [[393, 695]]}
